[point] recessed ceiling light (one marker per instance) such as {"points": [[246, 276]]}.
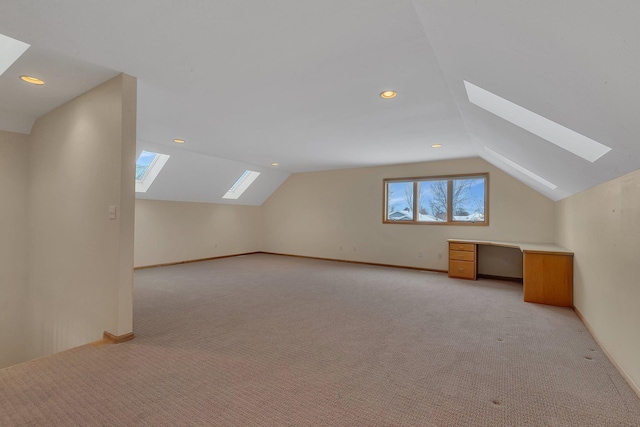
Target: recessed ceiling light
{"points": [[179, 141], [388, 94], [274, 164], [436, 145], [32, 80]]}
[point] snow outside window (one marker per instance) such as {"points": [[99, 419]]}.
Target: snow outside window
{"points": [[459, 199]]}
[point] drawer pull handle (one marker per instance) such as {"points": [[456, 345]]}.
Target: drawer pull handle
{"points": [[460, 269]]}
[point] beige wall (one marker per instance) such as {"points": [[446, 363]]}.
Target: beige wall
{"points": [[169, 232], [500, 261], [14, 171], [82, 158], [602, 226], [338, 214]]}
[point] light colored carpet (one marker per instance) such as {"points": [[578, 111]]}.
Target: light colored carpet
{"points": [[281, 341]]}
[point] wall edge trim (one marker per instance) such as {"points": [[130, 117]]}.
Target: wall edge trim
{"points": [[359, 262], [295, 256], [117, 339], [635, 387], [505, 278], [188, 261]]}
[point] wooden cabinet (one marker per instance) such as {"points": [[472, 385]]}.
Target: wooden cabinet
{"points": [[548, 278], [462, 260], [547, 275]]}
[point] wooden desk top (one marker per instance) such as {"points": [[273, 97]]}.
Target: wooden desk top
{"points": [[546, 248]]}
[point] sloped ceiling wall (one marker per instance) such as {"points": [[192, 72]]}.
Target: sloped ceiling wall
{"points": [[574, 62], [248, 83], [195, 177]]}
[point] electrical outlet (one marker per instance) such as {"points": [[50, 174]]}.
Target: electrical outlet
{"points": [[354, 249], [340, 248], [439, 256], [419, 254], [505, 260]]}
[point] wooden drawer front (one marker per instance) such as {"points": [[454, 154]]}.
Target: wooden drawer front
{"points": [[462, 255], [462, 269], [470, 247]]}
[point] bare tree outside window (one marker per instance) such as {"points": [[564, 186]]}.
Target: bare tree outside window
{"points": [[445, 200], [433, 200], [466, 204], [408, 197]]}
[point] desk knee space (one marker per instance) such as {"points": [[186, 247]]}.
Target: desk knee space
{"points": [[547, 275]]}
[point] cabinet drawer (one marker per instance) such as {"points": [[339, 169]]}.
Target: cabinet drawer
{"points": [[462, 255], [462, 269], [470, 247]]}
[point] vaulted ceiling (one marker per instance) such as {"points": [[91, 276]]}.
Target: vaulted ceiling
{"points": [[247, 83]]}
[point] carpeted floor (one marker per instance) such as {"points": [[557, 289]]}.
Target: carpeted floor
{"points": [[281, 341]]}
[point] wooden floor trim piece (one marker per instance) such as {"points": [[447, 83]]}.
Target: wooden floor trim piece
{"points": [[291, 255], [193, 260], [635, 387], [359, 262], [117, 339], [505, 278]]}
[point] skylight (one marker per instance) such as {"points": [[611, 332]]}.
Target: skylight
{"points": [[520, 169], [559, 135], [10, 51], [239, 187], [148, 166]]}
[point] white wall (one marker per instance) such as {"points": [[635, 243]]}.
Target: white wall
{"points": [[602, 226], [317, 213], [14, 171], [169, 232], [82, 158]]}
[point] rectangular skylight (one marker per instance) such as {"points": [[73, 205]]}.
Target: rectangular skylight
{"points": [[245, 180], [559, 135], [10, 51], [148, 166], [520, 169]]}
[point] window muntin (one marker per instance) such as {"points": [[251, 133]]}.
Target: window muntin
{"points": [[456, 199]]}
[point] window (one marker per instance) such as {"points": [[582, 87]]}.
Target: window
{"points": [[148, 167], [239, 187], [460, 200], [400, 201], [10, 51], [553, 132]]}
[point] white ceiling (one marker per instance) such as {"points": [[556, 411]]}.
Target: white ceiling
{"points": [[248, 83]]}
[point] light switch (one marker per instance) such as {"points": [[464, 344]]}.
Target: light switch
{"points": [[112, 212]]}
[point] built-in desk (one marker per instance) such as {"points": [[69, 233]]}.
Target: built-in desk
{"points": [[547, 268]]}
